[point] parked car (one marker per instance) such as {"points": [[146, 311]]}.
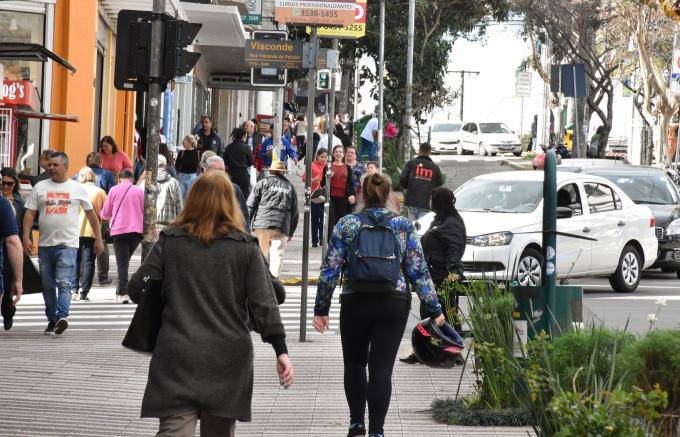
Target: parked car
{"points": [[489, 138], [653, 188], [445, 136], [503, 214]]}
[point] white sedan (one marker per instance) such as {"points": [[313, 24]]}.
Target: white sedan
{"points": [[503, 214], [489, 138]]}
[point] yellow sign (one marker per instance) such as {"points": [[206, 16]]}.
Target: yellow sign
{"points": [[351, 31]]}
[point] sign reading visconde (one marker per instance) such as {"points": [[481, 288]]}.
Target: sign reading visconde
{"points": [[315, 12], [264, 53]]}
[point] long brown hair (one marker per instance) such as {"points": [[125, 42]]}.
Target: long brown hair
{"points": [[376, 190], [211, 208]]}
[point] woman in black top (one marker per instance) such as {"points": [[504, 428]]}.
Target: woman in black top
{"points": [[238, 158], [444, 243], [187, 162], [10, 191]]}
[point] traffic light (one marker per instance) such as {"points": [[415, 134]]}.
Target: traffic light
{"points": [[323, 80], [177, 61], [133, 50]]}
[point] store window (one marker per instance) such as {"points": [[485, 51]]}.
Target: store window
{"points": [[24, 27]]}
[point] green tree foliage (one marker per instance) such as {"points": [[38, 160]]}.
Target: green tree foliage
{"points": [[438, 23]]}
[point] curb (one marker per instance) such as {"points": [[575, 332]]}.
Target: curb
{"points": [[298, 281]]}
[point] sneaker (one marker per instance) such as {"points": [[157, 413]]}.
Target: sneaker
{"points": [[75, 297], [356, 429], [84, 298], [105, 281], [411, 359], [315, 245], [125, 299], [50, 328], [60, 326]]}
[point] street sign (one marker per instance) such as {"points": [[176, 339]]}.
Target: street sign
{"points": [[269, 77], [352, 31], [573, 75], [254, 15], [523, 84], [315, 12], [267, 53], [675, 72]]}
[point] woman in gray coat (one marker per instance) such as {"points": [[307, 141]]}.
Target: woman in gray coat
{"points": [[213, 280]]}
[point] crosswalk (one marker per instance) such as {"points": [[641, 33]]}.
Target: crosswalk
{"points": [[103, 313]]}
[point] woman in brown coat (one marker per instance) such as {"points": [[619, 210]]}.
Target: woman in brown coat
{"points": [[213, 277]]}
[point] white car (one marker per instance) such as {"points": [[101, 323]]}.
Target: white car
{"points": [[489, 138], [445, 136], [503, 214]]}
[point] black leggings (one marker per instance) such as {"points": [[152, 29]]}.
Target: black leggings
{"points": [[338, 208], [371, 332]]}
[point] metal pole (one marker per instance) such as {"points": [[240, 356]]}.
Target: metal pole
{"points": [[311, 93], [278, 122], [355, 115], [381, 85], [576, 139], [153, 119], [330, 107], [330, 120], [409, 73], [521, 122], [462, 94], [549, 236]]}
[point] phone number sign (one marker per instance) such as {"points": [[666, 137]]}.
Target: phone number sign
{"points": [[353, 31], [315, 12]]}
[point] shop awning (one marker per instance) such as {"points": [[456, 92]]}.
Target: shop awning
{"points": [[46, 116], [110, 8], [31, 52]]}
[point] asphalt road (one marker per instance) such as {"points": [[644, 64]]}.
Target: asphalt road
{"points": [[601, 304]]}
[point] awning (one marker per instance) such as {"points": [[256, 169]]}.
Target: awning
{"points": [[110, 8], [46, 116], [31, 52]]}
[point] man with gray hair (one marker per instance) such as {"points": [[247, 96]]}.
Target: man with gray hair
{"points": [[215, 163]]}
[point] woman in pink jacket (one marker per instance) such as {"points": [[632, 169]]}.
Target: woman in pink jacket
{"points": [[124, 209]]}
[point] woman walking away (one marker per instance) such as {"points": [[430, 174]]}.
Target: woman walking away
{"points": [[239, 158], [113, 160], [318, 194], [169, 202], [342, 189], [124, 209], [371, 247], [85, 254], [202, 365], [301, 136], [10, 191], [187, 163], [443, 245]]}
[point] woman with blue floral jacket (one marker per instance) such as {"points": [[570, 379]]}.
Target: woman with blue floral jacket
{"points": [[372, 324]]}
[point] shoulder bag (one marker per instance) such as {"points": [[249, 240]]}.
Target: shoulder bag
{"points": [[108, 238]]}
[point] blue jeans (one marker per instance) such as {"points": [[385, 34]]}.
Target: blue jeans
{"points": [[185, 181], [317, 222], [415, 213], [86, 256], [369, 147], [57, 272]]}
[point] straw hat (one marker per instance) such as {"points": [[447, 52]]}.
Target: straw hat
{"points": [[278, 166]]}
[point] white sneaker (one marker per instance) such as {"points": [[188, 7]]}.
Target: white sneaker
{"points": [[125, 299]]}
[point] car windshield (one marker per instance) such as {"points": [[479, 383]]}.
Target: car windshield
{"points": [[446, 127], [494, 128], [654, 189], [499, 196]]}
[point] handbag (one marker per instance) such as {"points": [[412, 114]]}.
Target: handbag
{"points": [[108, 239], [318, 195], [143, 331]]}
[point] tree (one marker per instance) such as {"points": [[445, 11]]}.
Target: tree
{"points": [[578, 30], [438, 23]]}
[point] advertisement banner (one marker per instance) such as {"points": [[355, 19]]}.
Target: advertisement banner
{"points": [[19, 93], [352, 31], [315, 12]]}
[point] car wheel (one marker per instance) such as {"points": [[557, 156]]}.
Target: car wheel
{"points": [[627, 275], [482, 150], [677, 273], [517, 153], [494, 153], [530, 268]]}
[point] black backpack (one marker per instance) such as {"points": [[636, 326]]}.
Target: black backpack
{"points": [[374, 260]]}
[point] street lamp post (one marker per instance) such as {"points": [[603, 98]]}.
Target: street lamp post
{"points": [[381, 85]]}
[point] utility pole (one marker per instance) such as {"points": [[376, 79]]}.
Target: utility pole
{"points": [[409, 79], [311, 93], [153, 120], [381, 85], [463, 73], [330, 124]]}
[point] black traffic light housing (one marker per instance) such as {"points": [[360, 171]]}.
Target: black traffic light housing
{"points": [[133, 49]]}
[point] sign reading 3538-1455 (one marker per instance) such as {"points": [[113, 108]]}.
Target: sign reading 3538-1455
{"points": [[315, 12]]}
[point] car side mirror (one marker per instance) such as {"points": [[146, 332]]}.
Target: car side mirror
{"points": [[564, 212]]}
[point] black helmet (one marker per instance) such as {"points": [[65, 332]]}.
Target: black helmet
{"points": [[436, 346]]}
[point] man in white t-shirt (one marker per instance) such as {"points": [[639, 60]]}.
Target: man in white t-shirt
{"points": [[59, 200], [369, 140]]}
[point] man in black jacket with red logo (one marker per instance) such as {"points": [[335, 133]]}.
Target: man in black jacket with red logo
{"points": [[419, 177]]}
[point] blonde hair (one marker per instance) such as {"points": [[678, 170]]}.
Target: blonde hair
{"points": [[211, 208], [321, 125], [192, 139], [86, 175]]}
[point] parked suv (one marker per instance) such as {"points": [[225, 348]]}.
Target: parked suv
{"points": [[653, 188]]}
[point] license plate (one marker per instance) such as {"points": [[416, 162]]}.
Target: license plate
{"points": [[507, 147]]}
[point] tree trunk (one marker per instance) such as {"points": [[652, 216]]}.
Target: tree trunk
{"points": [[579, 122]]}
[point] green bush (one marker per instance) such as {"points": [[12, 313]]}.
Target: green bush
{"points": [[594, 350]]}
